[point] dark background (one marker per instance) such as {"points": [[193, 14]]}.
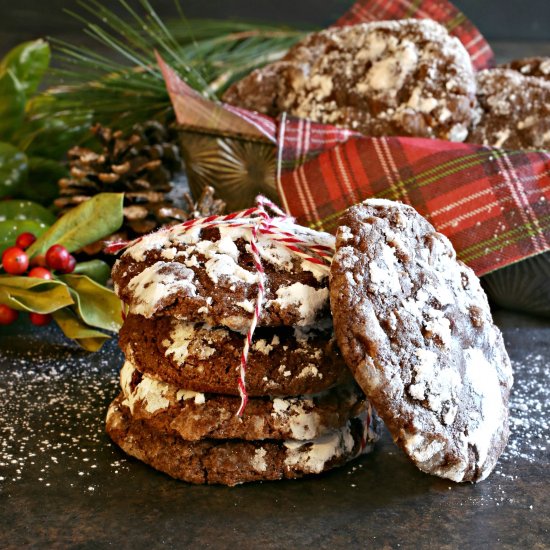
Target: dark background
{"points": [[500, 21]]}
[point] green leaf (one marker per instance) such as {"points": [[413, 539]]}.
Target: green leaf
{"points": [[96, 305], [11, 229], [87, 223], [12, 105], [31, 294], [73, 327], [13, 167], [50, 131], [28, 62], [25, 210], [42, 182], [97, 270]]}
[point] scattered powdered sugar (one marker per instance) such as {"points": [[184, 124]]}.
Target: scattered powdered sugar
{"points": [[529, 413], [53, 401]]}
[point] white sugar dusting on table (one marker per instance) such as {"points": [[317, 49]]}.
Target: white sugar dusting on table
{"points": [[53, 401], [52, 408]]}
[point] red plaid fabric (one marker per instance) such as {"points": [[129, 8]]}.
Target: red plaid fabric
{"points": [[441, 11], [494, 205]]}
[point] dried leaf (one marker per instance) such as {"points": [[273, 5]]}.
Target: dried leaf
{"points": [[31, 294], [74, 328], [88, 222]]}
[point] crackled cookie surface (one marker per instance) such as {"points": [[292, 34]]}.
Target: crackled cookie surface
{"points": [[231, 462], [208, 275], [407, 77], [530, 66], [195, 415], [282, 360], [415, 328], [515, 110]]}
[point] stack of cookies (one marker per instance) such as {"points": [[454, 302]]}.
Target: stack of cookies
{"points": [[191, 293]]}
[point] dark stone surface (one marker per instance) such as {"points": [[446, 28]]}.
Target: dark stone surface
{"points": [[53, 399]]}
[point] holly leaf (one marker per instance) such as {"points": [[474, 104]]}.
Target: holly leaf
{"points": [[12, 105], [96, 305], [97, 270], [25, 210], [11, 229], [32, 294], [74, 328], [29, 62], [87, 223], [13, 166]]}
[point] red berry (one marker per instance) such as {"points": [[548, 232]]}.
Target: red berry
{"points": [[40, 273], [25, 240], [40, 319], [15, 260], [71, 264], [7, 315], [57, 257]]}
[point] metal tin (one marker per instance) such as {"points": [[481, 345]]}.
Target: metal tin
{"points": [[523, 286], [239, 168]]}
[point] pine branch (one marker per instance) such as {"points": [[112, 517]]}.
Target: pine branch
{"points": [[127, 87]]}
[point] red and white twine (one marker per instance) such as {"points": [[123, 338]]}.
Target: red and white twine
{"points": [[260, 222]]}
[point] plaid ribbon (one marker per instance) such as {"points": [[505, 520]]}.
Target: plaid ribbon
{"points": [[441, 11], [493, 204]]}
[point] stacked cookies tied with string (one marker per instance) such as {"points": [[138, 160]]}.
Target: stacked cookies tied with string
{"points": [[232, 373]]}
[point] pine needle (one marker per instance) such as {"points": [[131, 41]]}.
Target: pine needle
{"points": [[126, 86]]}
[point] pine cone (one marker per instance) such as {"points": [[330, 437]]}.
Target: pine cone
{"points": [[140, 165]]}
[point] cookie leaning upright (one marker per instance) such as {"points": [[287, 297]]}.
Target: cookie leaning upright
{"points": [[415, 328]]}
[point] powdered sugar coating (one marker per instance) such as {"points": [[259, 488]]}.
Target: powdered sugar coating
{"points": [[407, 77], [194, 415], [514, 110], [208, 275], [426, 352], [530, 66], [313, 456]]}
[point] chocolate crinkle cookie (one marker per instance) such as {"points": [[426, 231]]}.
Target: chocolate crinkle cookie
{"points": [[196, 406], [235, 461], [414, 326], [530, 66], [196, 415], [514, 110], [282, 361], [407, 77], [208, 274]]}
